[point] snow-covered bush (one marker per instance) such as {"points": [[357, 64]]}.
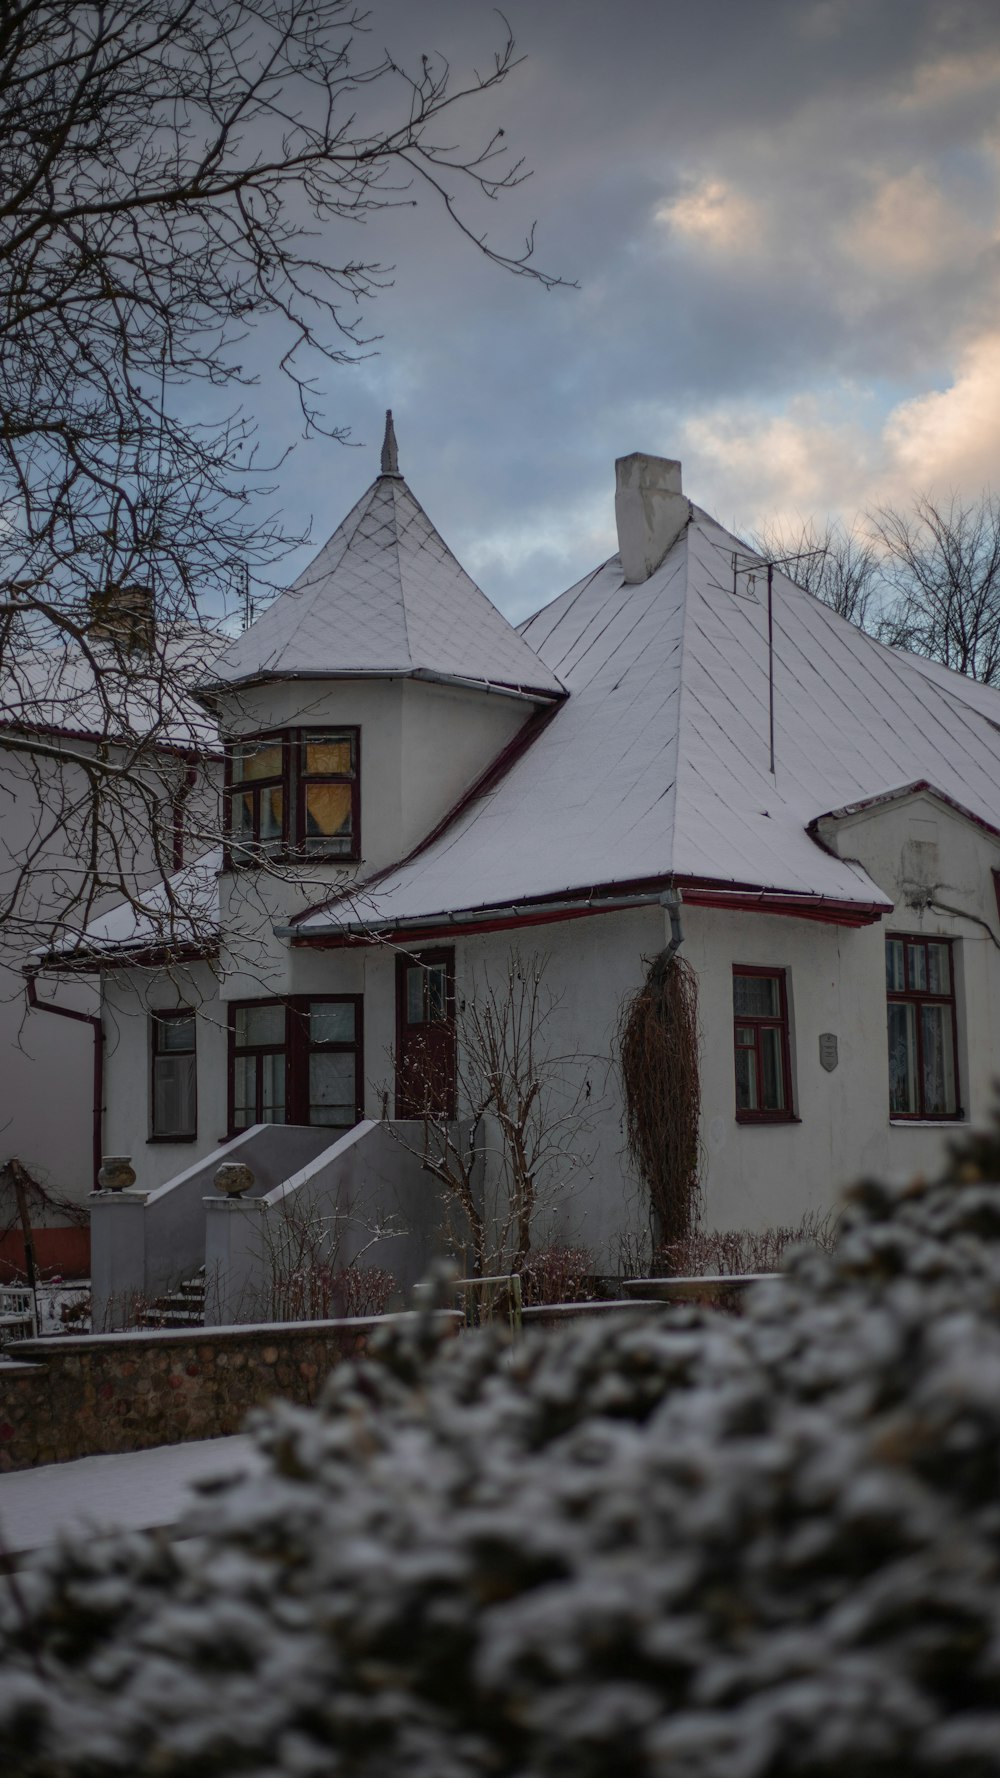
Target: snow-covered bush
{"points": [[688, 1547]]}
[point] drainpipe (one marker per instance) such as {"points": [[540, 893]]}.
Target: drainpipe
{"points": [[94, 1021], [670, 901]]}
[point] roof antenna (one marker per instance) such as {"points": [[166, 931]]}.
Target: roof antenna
{"points": [[390, 459]]}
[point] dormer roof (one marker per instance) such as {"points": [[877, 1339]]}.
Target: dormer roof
{"points": [[386, 597]]}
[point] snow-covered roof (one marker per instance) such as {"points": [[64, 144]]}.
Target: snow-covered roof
{"points": [[385, 595], [102, 693], [171, 917], [658, 763]]}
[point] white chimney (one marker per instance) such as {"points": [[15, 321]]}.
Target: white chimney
{"points": [[650, 511]]}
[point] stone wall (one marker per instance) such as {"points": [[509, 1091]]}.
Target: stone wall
{"points": [[91, 1394]]}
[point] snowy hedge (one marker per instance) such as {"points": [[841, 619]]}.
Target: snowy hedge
{"points": [[692, 1546]]}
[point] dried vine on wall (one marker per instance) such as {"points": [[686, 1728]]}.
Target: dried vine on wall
{"points": [[658, 1045]]}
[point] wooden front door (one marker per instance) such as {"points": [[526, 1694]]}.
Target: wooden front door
{"points": [[425, 1034]]}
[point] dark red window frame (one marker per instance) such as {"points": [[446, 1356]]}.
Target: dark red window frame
{"points": [[920, 997], [158, 1018], [759, 1021], [297, 1049], [292, 782], [235, 854], [304, 779]]}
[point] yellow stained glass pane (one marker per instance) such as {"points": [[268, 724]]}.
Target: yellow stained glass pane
{"points": [[328, 810], [328, 754], [251, 763]]}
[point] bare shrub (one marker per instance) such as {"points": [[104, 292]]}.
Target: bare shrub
{"points": [[706, 1253], [306, 1275], [558, 1275], [527, 1111]]}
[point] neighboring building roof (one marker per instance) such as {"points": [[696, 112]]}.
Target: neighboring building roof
{"points": [[385, 596], [103, 694], [657, 765], [171, 919]]}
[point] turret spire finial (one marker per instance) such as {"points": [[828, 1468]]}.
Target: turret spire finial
{"points": [[390, 459]]}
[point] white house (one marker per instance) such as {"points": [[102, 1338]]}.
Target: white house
{"points": [[415, 787], [71, 843]]}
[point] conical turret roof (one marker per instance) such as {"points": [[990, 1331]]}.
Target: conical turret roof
{"points": [[385, 596]]}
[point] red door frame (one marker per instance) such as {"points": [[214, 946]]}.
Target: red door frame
{"points": [[405, 961]]}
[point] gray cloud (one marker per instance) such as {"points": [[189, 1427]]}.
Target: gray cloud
{"points": [[857, 148]]}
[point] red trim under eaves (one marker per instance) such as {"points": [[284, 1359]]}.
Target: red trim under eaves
{"points": [[828, 910]]}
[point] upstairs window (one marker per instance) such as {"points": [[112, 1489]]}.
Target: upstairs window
{"points": [[328, 812], [294, 794], [173, 1098], [256, 793], [923, 1056], [763, 1055]]}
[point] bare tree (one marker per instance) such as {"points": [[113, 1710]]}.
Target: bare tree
{"points": [[942, 561], [173, 173], [514, 1150], [839, 565]]}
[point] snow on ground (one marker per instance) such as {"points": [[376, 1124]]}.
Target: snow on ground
{"points": [[127, 1492]]}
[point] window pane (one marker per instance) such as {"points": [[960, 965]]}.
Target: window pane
{"points": [[241, 820], [173, 1034], [254, 762], [272, 1071], [939, 1062], [244, 1092], [437, 992], [331, 1024], [272, 804], [260, 1025], [415, 995], [756, 995], [331, 755], [745, 1036], [902, 1058], [895, 980], [772, 1094], [174, 1096], [938, 970], [916, 968], [331, 1090], [746, 1080], [329, 825]]}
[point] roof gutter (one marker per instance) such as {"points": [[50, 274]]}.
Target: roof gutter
{"points": [[528, 913], [216, 688], [666, 893]]}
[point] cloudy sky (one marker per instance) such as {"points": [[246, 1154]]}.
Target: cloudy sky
{"points": [[783, 217]]}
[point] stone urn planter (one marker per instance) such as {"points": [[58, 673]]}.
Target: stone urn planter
{"points": [[117, 1173], [233, 1178]]}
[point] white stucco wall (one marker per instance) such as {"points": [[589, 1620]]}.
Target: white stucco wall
{"points": [[46, 1063], [128, 998]]}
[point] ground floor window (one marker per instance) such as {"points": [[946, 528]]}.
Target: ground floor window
{"points": [[296, 1062], [762, 1050], [174, 1095], [923, 1055]]}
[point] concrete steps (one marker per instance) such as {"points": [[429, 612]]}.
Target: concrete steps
{"points": [[183, 1307]]}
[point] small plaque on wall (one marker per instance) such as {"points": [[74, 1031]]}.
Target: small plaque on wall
{"points": [[828, 1051]]}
